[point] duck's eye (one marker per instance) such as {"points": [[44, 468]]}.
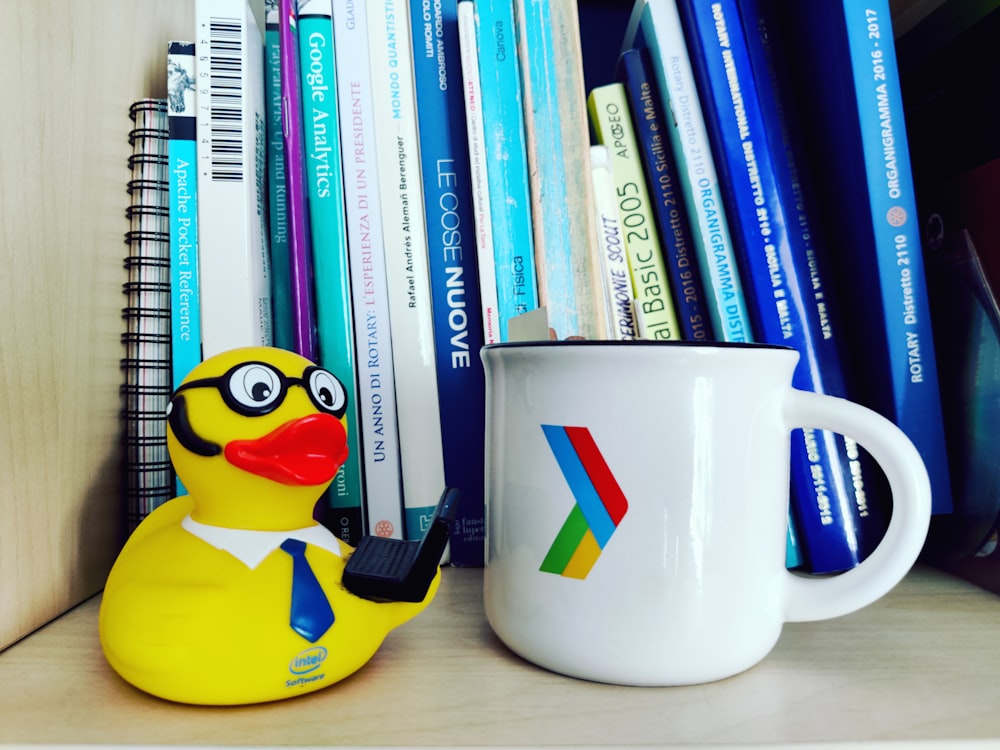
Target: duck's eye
{"points": [[327, 392], [255, 386]]}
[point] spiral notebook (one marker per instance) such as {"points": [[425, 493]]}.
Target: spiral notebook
{"points": [[147, 364]]}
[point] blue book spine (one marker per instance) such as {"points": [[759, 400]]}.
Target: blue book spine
{"points": [[656, 25], [458, 330], [671, 211], [281, 283], [506, 160], [851, 103], [825, 366], [185, 312], [905, 304], [328, 226], [780, 270]]}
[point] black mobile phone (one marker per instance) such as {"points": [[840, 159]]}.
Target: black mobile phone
{"points": [[394, 570]]}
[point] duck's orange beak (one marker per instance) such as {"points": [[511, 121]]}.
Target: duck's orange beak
{"points": [[306, 451]]}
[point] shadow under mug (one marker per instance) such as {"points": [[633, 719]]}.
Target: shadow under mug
{"points": [[637, 506]]}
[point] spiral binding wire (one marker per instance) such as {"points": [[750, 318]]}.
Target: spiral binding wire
{"points": [[146, 390]]}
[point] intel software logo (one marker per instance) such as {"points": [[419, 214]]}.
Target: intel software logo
{"points": [[308, 661]]}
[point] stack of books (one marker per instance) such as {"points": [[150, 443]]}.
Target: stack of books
{"points": [[386, 188]]}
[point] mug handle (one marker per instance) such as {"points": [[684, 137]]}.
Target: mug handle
{"points": [[819, 598]]}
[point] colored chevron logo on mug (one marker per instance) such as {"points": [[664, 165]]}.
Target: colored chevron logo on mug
{"points": [[600, 503]]}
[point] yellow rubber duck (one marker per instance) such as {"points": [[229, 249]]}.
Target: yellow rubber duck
{"points": [[211, 600]]}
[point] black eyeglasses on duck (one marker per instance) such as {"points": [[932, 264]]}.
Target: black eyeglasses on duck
{"points": [[254, 389]]}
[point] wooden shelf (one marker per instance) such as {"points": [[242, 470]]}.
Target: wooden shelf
{"points": [[72, 72], [921, 664]]}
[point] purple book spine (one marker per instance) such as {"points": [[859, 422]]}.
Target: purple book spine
{"points": [[300, 252]]}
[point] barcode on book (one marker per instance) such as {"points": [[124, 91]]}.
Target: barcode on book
{"points": [[225, 60]]}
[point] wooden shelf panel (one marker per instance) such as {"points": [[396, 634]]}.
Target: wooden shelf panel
{"points": [[920, 664]]}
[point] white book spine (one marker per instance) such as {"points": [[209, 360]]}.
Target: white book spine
{"points": [[472, 88], [616, 278], [376, 389], [234, 262], [405, 232]]}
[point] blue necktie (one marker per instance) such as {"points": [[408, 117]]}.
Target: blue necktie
{"points": [[311, 614]]}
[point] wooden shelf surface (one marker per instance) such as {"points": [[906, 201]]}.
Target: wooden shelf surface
{"points": [[921, 664]]}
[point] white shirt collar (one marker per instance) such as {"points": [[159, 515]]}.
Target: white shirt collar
{"points": [[251, 547]]}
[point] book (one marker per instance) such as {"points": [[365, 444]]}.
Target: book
{"points": [[185, 314], [185, 311], [966, 320], [328, 234], [783, 262], [481, 202], [455, 288], [506, 160], [670, 209], [555, 118], [652, 298], [282, 323], [656, 25], [404, 228], [614, 266], [146, 367], [233, 255], [300, 251], [850, 103], [383, 509]]}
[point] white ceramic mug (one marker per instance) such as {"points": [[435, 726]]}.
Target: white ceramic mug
{"points": [[637, 506]]}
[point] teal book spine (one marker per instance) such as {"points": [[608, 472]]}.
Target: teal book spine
{"points": [[328, 226], [562, 200], [185, 311], [543, 114], [506, 160]]}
